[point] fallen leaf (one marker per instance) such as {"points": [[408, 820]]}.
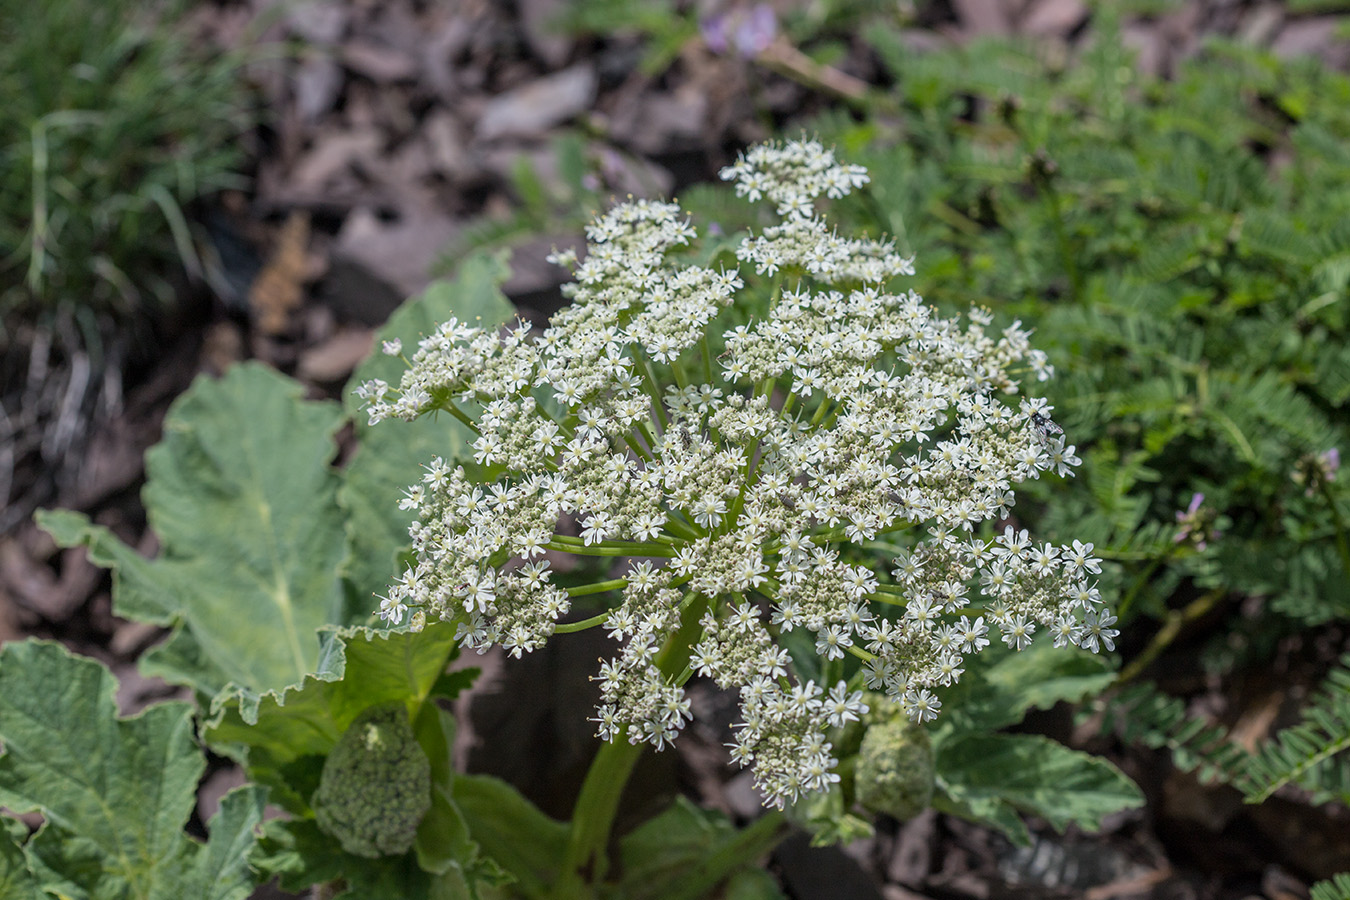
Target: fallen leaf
{"points": [[537, 106], [334, 359], [280, 287]]}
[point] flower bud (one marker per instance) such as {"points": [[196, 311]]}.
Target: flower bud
{"points": [[896, 770]]}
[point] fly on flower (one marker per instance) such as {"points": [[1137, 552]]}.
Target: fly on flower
{"points": [[1044, 426]]}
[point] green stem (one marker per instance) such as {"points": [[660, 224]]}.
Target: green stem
{"points": [[1067, 258], [1176, 619], [1139, 583], [608, 548], [460, 414], [681, 528], [598, 587], [653, 388], [707, 360], [593, 621], [586, 860]]}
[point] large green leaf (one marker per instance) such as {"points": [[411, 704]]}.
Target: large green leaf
{"points": [[1001, 686], [116, 793], [512, 832], [16, 882], [299, 855], [390, 456], [686, 852], [284, 735], [243, 500], [990, 775]]}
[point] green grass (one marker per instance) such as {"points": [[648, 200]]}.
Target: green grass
{"points": [[110, 122]]}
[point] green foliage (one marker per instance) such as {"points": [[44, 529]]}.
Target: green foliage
{"points": [[290, 731], [16, 880], [1335, 888], [263, 564], [115, 793], [268, 555], [497, 816], [992, 778], [111, 122], [976, 772], [244, 501], [1181, 248], [1306, 754], [685, 852], [252, 516], [376, 528]]}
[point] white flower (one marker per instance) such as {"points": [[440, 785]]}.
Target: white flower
{"points": [[1080, 559], [842, 707], [920, 705], [1017, 633], [740, 488], [1096, 627]]}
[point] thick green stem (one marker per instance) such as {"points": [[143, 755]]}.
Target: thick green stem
{"points": [[586, 861]]}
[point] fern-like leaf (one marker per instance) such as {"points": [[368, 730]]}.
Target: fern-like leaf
{"points": [[1337, 887], [1296, 751]]}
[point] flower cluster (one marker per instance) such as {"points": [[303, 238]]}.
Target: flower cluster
{"points": [[736, 497]]}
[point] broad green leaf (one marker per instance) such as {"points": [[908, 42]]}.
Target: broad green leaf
{"points": [[16, 882], [299, 855], [987, 810], [1035, 775], [243, 500], [282, 734], [686, 852], [443, 838], [512, 832], [665, 848], [391, 455], [116, 793], [998, 694], [753, 884]]}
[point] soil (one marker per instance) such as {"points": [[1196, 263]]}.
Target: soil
{"points": [[390, 133]]}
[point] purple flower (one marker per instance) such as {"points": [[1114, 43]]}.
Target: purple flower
{"points": [[714, 30], [757, 31], [749, 34], [1192, 522]]}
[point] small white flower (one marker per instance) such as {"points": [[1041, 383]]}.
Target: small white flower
{"points": [[1017, 633], [843, 707]]}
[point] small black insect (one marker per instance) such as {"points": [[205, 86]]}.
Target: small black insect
{"points": [[1044, 426]]}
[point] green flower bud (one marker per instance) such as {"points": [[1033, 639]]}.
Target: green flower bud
{"points": [[895, 772], [376, 785]]}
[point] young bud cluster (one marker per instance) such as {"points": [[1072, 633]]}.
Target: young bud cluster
{"points": [[846, 412]]}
